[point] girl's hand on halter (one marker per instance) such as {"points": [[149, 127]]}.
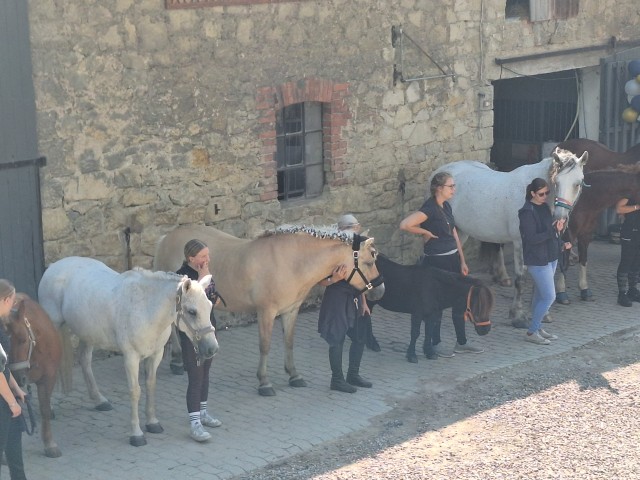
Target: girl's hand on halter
{"points": [[560, 225]]}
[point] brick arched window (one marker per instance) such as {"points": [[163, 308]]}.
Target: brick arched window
{"points": [[302, 144]]}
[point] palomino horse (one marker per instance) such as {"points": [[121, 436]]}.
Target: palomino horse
{"points": [[422, 291], [486, 206], [36, 352], [273, 274], [130, 312], [606, 187]]}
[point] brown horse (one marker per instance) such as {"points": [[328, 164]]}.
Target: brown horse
{"points": [[273, 274], [606, 187], [601, 157], [36, 352]]}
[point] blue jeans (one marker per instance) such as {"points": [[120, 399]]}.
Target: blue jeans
{"points": [[544, 292]]}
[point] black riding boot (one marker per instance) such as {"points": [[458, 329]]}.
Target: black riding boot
{"points": [[633, 293], [623, 299], [353, 374], [337, 377]]}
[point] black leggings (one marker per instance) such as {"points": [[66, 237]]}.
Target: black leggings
{"points": [[629, 261], [198, 389], [450, 263], [11, 441]]}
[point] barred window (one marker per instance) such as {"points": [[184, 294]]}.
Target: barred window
{"points": [[299, 152]]}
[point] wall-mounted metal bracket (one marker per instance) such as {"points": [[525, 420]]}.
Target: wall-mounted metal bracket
{"points": [[398, 36]]}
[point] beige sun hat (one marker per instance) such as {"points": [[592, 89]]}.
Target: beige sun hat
{"points": [[348, 222]]}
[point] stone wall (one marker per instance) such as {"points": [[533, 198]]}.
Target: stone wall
{"points": [[151, 118]]}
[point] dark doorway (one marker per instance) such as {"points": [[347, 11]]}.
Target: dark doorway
{"points": [[530, 112]]}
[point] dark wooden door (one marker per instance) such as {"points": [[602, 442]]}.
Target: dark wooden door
{"points": [[21, 244]]}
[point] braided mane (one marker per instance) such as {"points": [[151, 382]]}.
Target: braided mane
{"points": [[330, 232], [567, 162]]}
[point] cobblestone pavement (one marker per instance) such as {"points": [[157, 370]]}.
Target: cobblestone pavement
{"points": [[258, 431]]}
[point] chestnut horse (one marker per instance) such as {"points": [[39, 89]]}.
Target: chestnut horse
{"points": [[36, 351], [606, 188], [600, 157], [273, 274]]}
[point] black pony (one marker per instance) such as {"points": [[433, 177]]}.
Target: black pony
{"points": [[421, 291]]}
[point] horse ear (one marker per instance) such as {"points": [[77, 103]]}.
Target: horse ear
{"points": [[583, 159], [365, 233], [368, 241], [205, 281]]}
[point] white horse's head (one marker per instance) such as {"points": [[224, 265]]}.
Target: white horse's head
{"points": [[567, 177], [194, 311]]}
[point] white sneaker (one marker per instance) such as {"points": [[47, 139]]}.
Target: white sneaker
{"points": [[537, 339], [547, 335], [466, 348], [208, 421], [198, 433]]}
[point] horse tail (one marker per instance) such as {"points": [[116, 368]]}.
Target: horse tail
{"points": [[66, 363]]}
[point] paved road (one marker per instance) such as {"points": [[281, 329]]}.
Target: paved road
{"points": [[258, 431]]}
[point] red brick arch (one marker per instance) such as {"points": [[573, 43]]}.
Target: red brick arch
{"points": [[335, 116]]}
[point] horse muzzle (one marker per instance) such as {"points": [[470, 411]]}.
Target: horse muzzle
{"points": [[483, 329], [208, 346], [376, 291]]}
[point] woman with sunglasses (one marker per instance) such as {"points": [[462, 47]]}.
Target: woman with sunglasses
{"points": [[442, 249], [541, 246]]}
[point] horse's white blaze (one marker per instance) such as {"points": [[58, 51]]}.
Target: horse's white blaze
{"points": [[131, 312]]}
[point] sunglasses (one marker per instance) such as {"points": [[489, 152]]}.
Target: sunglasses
{"points": [[542, 194]]}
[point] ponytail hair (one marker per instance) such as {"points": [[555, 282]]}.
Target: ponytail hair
{"points": [[535, 185], [193, 247]]}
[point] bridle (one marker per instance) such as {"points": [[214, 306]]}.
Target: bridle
{"points": [[468, 314], [25, 364], [196, 333], [368, 285]]}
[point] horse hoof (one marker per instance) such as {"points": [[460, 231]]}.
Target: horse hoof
{"points": [[520, 324], [52, 452], [154, 428], [266, 391], [296, 382], [177, 369], [562, 298], [586, 295], [412, 358], [104, 407], [137, 441]]}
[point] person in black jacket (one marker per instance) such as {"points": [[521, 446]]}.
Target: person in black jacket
{"points": [[629, 267], [11, 425], [196, 267], [541, 247]]}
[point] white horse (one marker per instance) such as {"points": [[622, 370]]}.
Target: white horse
{"points": [[131, 312], [486, 206]]}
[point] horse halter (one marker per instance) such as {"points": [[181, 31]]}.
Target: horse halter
{"points": [[25, 364], [368, 285], [197, 333], [468, 314]]}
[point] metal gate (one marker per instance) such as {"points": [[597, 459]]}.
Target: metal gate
{"points": [[21, 249]]}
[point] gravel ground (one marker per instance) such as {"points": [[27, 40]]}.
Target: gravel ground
{"points": [[572, 416]]}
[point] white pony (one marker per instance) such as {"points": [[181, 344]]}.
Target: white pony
{"points": [[486, 205], [131, 312]]}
